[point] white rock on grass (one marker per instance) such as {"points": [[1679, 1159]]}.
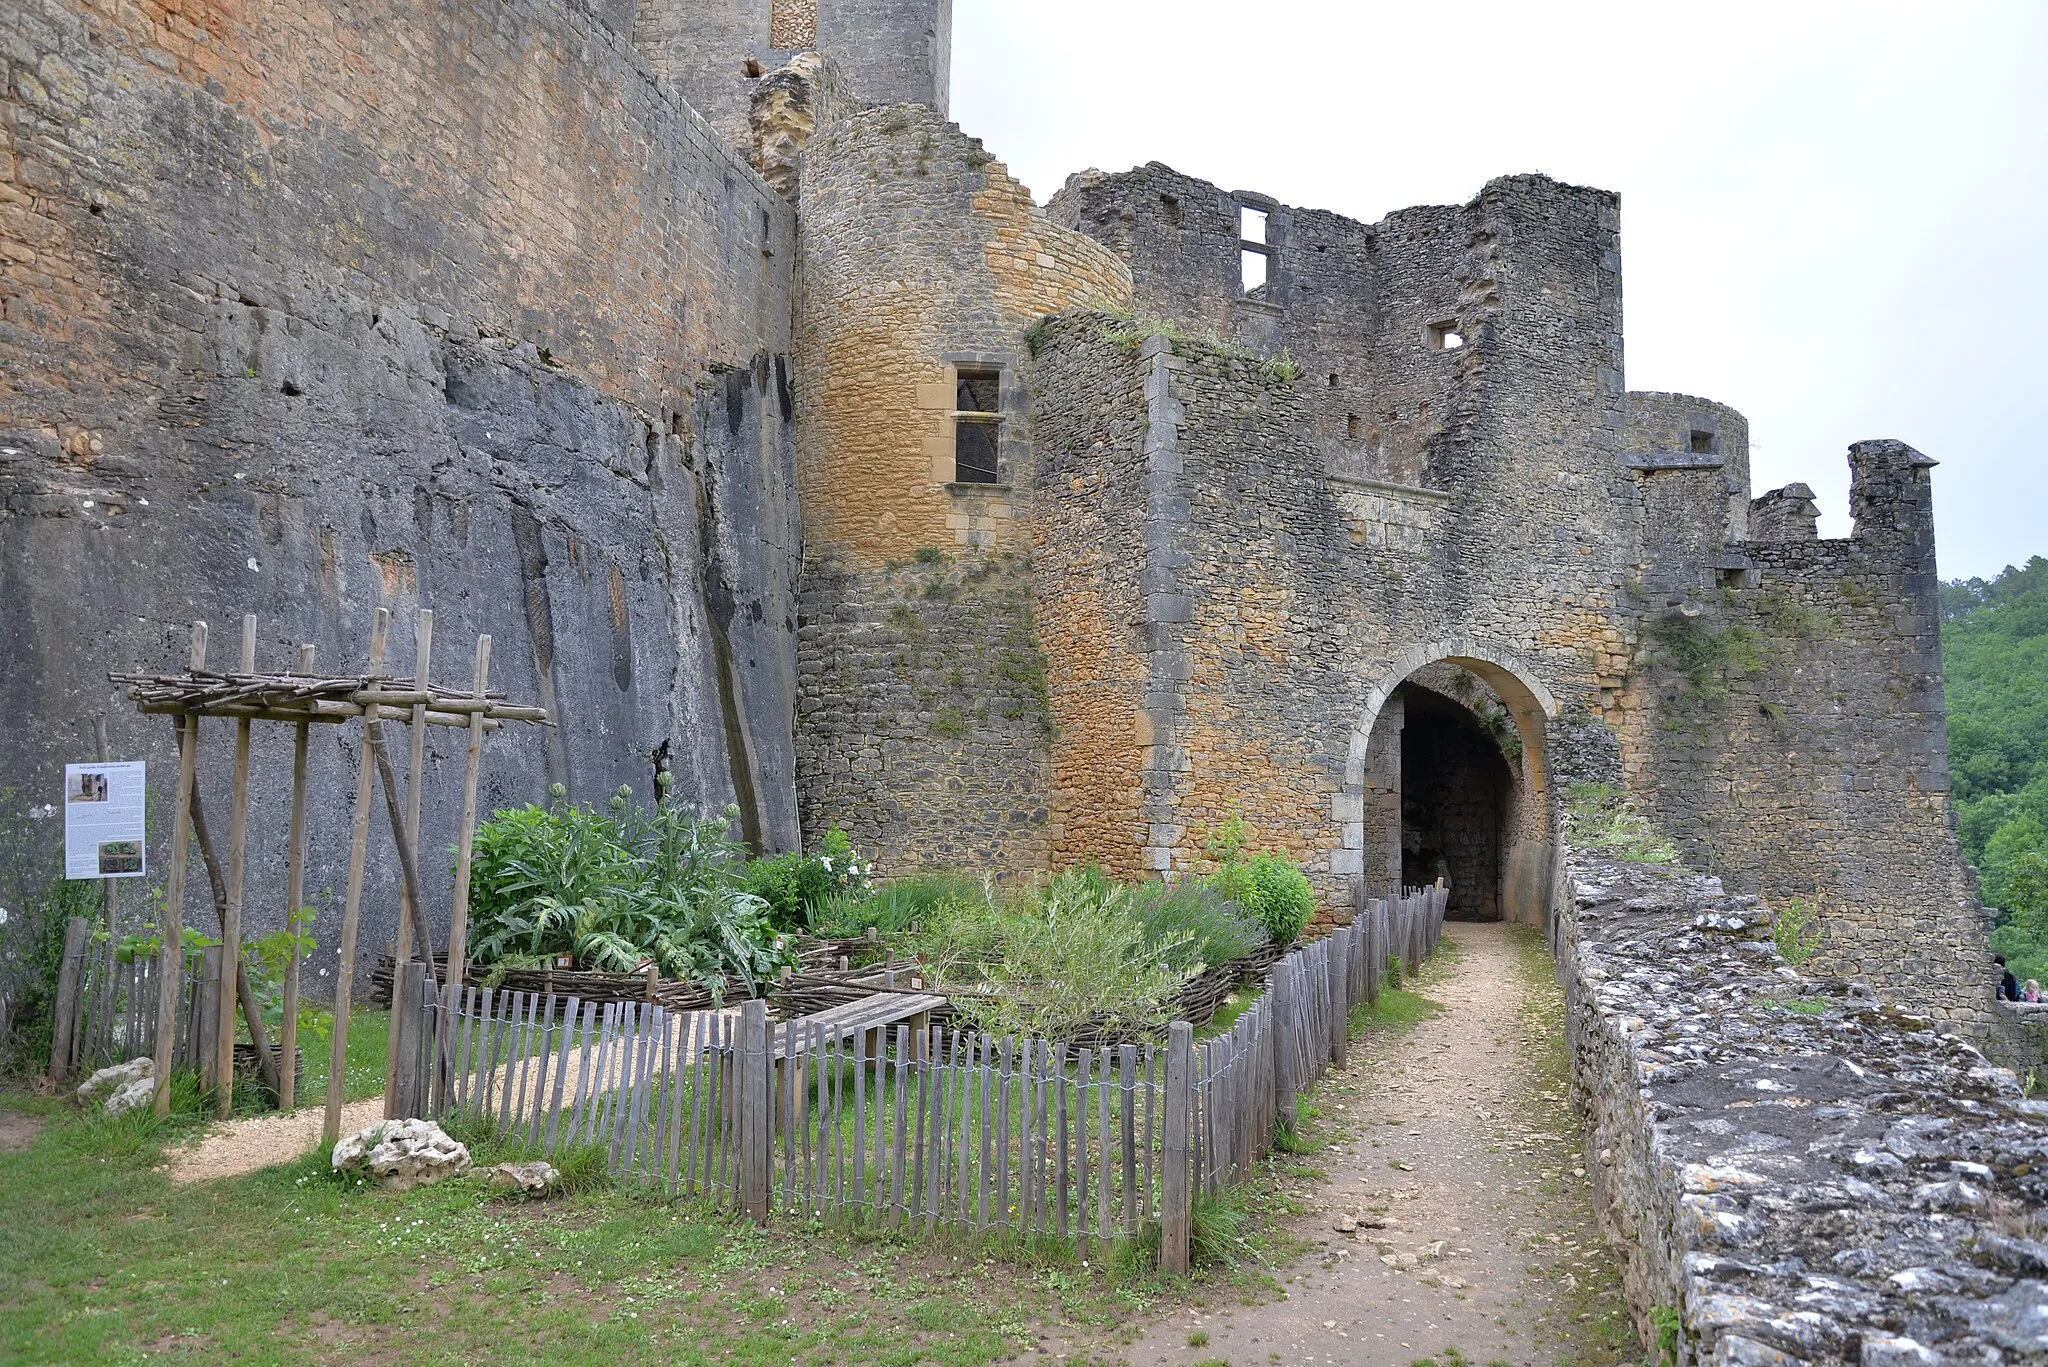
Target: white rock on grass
{"points": [[535, 1179], [402, 1154], [114, 1078], [131, 1096]]}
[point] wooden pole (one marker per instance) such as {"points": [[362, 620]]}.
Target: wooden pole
{"points": [[754, 1129], [1176, 1208], [408, 835], [266, 1062], [64, 1012], [458, 911], [171, 958], [231, 912], [351, 912], [294, 896], [408, 867], [99, 736]]}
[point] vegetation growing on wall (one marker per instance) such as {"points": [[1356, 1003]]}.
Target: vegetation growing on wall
{"points": [[1598, 817], [1994, 646], [1704, 656]]}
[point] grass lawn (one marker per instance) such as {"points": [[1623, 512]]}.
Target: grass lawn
{"points": [[111, 1263], [369, 1036], [108, 1262]]}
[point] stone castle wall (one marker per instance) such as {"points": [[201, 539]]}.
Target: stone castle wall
{"points": [[1276, 607], [921, 255], [716, 52], [495, 325], [1352, 303], [1791, 737], [922, 719]]}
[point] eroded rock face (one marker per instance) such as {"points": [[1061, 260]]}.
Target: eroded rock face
{"points": [[1807, 1175], [782, 118], [402, 1154]]}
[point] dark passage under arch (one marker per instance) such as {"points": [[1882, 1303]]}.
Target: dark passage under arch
{"points": [[1457, 793]]}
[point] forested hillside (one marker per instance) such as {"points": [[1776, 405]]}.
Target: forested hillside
{"points": [[1994, 647]]}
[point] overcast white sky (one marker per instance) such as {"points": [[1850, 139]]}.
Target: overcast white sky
{"points": [[1832, 214]]}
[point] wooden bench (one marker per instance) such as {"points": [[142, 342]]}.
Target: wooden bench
{"points": [[871, 1016]]}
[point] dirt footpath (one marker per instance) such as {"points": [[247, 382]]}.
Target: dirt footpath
{"points": [[1458, 1162]]}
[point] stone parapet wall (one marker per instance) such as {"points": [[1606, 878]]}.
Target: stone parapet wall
{"points": [[307, 309], [1793, 1172]]}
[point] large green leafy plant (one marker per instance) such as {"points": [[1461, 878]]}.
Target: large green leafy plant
{"points": [[1268, 885], [619, 888]]}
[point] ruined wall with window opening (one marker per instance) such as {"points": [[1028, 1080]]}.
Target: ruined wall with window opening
{"points": [[923, 265]]}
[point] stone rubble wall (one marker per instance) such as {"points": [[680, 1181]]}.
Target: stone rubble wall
{"points": [[307, 309], [1787, 728], [922, 719], [1799, 1173]]}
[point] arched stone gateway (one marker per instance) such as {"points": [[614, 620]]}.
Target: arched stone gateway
{"points": [[1456, 793]]}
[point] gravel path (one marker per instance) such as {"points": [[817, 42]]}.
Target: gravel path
{"points": [[261, 1141], [1456, 1158]]}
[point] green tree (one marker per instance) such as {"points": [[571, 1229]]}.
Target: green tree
{"points": [[1995, 658]]}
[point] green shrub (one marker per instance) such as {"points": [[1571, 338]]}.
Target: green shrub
{"points": [[894, 907], [1215, 928], [1271, 889], [36, 901], [1796, 929], [1076, 954], [619, 888], [795, 886]]}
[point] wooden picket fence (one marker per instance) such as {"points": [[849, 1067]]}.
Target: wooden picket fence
{"points": [[909, 1127], [106, 1009]]}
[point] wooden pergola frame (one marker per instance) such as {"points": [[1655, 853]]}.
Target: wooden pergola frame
{"points": [[302, 699]]}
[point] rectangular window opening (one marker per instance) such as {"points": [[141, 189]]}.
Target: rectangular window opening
{"points": [[1171, 207], [1446, 336], [1252, 268], [977, 426], [1702, 443], [1251, 223], [1353, 428]]}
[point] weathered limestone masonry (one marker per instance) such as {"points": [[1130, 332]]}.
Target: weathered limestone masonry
{"points": [[1790, 730], [1801, 1174], [307, 308], [1279, 606], [717, 51], [922, 712], [686, 347], [921, 258]]}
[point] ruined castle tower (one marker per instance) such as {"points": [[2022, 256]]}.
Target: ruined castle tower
{"points": [[783, 440]]}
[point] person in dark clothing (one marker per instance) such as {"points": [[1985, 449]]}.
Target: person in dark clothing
{"points": [[2008, 986]]}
